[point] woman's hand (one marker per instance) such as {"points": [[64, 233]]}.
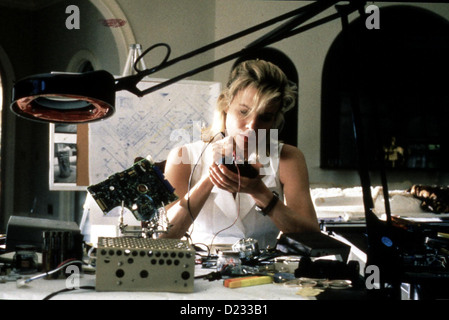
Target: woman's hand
{"points": [[225, 179], [220, 149]]}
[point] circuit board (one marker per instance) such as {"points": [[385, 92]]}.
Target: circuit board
{"points": [[141, 188]]}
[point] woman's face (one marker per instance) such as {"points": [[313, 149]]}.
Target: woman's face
{"points": [[243, 124]]}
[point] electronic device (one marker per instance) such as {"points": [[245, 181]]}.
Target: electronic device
{"points": [[29, 231], [312, 244], [328, 269], [141, 188], [144, 264], [245, 169]]}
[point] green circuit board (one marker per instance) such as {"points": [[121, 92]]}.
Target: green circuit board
{"points": [[142, 189]]}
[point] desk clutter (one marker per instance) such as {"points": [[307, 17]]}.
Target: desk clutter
{"points": [[315, 265], [170, 265], [142, 260]]}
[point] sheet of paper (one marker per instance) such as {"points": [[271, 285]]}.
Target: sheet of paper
{"points": [[149, 125]]}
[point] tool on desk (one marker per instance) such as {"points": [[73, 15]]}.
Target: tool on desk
{"points": [[247, 281]]}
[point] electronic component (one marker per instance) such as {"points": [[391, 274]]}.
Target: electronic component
{"points": [[25, 259], [312, 244], [245, 169], [29, 231], [58, 247], [143, 264], [142, 189], [248, 248], [328, 269]]}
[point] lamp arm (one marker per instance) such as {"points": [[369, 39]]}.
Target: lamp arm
{"points": [[87, 97], [281, 32], [286, 30]]}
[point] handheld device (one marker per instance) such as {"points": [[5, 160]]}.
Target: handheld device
{"points": [[244, 169]]}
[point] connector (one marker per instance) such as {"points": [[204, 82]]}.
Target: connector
{"points": [[20, 283]]}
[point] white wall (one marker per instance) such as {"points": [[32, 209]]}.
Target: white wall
{"points": [[184, 25]]}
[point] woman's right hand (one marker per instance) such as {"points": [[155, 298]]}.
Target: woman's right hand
{"points": [[223, 148]]}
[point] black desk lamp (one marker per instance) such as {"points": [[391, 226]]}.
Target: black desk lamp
{"points": [[87, 97]]}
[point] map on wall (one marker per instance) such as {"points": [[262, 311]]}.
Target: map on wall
{"points": [[149, 125]]}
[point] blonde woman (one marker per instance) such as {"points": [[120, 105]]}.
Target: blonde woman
{"points": [[221, 205]]}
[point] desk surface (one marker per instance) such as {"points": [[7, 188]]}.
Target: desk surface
{"points": [[203, 290]]}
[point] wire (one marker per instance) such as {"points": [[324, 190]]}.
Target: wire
{"points": [[51, 295], [238, 208], [62, 265], [191, 175], [202, 244]]}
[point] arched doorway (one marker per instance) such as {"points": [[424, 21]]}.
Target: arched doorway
{"points": [[400, 74]]}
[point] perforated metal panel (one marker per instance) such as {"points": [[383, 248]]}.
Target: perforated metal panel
{"points": [[139, 264]]}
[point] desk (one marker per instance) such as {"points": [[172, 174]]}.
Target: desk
{"points": [[203, 290]]}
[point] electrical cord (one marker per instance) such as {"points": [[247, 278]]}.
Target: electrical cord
{"points": [[51, 295], [188, 194], [238, 208], [189, 185], [23, 282]]}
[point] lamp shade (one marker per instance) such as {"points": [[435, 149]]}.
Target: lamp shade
{"points": [[65, 97]]}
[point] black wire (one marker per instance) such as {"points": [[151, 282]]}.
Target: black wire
{"points": [[51, 295]]}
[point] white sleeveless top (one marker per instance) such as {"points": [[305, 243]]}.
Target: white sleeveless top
{"points": [[229, 218]]}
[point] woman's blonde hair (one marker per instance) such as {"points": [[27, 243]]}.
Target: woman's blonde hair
{"points": [[271, 83]]}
